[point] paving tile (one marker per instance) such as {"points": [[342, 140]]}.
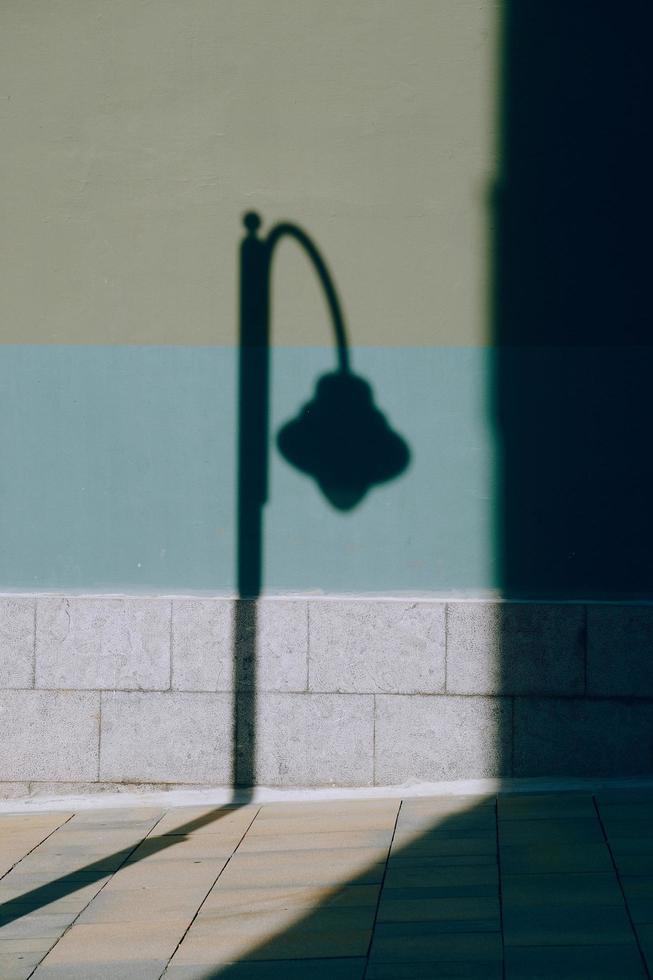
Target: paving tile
{"points": [[639, 896], [23, 821], [15, 846], [641, 911], [454, 808], [435, 889], [34, 925], [420, 874], [458, 804], [318, 808], [415, 844], [435, 926], [315, 919], [431, 863], [435, 970], [447, 824], [378, 839], [324, 823], [322, 867], [113, 969], [179, 848], [283, 934], [329, 969], [554, 856], [200, 820], [631, 845], [583, 890], [19, 885], [634, 864], [573, 831], [162, 874], [637, 886], [65, 860], [645, 937], [94, 841], [600, 962], [25, 944], [546, 806], [123, 817], [446, 831], [627, 809], [138, 904], [477, 913], [125, 941], [225, 900], [392, 939], [69, 897], [18, 966], [623, 828], [567, 926]]}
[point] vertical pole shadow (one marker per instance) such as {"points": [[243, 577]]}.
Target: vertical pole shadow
{"points": [[253, 427]]}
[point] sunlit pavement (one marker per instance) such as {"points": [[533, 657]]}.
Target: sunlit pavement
{"points": [[519, 886]]}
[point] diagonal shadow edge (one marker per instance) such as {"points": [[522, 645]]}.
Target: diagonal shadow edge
{"points": [[442, 827]]}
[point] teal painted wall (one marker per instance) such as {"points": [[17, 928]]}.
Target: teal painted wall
{"points": [[119, 473]]}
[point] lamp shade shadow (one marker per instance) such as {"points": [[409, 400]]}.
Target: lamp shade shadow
{"points": [[343, 441]]}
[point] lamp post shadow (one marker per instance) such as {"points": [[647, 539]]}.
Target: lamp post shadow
{"points": [[339, 438]]}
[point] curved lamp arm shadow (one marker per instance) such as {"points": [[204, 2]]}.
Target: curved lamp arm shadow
{"points": [[288, 229]]}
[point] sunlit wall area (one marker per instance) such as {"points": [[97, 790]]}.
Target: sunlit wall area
{"points": [[135, 139]]}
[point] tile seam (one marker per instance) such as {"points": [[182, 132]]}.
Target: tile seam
{"points": [[34, 645]]}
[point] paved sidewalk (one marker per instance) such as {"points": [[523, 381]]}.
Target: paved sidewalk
{"points": [[540, 886]]}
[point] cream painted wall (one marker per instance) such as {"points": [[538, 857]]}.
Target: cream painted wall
{"points": [[136, 132]]}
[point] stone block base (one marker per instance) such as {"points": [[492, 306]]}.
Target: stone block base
{"points": [[105, 692]]}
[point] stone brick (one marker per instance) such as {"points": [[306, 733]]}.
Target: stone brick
{"points": [[270, 636], [49, 735], [376, 647], [87, 643], [166, 737], [515, 648], [441, 737], [620, 650], [311, 739], [13, 791], [572, 737], [16, 642]]}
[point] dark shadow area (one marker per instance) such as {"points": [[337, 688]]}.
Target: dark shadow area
{"points": [[571, 304]]}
